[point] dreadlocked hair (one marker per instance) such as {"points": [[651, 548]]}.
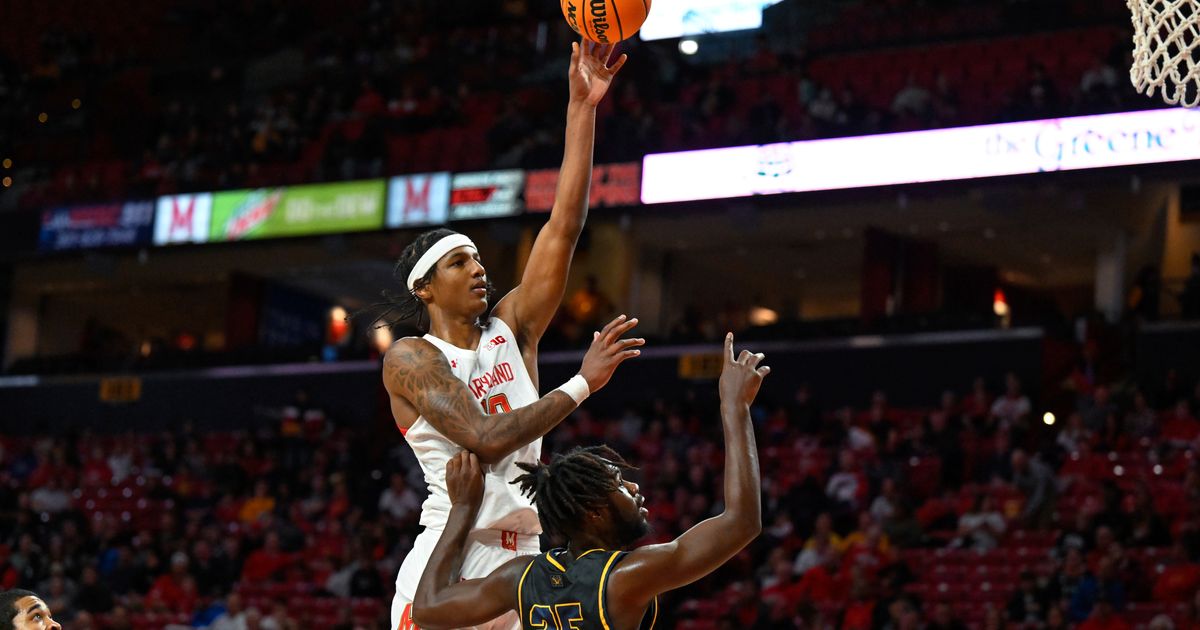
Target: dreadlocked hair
{"points": [[405, 304], [571, 486]]}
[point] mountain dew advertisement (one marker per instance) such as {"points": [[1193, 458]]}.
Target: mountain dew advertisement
{"points": [[297, 210]]}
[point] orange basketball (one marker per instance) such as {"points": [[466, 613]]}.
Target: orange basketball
{"points": [[605, 21]]}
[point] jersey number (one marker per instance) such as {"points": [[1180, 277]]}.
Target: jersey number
{"points": [[406, 622], [561, 617], [496, 404]]}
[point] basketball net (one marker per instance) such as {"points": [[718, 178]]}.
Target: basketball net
{"points": [[1166, 45]]}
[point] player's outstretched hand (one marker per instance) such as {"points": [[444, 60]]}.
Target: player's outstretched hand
{"points": [[609, 350], [464, 481], [741, 376], [590, 74]]}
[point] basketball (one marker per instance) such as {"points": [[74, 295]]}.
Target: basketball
{"points": [[605, 21]]}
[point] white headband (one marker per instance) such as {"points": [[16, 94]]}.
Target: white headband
{"points": [[434, 254]]}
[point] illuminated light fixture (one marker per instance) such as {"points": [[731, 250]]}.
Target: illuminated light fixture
{"points": [[76, 104], [688, 46], [1048, 418], [186, 341], [7, 163], [762, 316], [1158, 469], [146, 348], [1000, 303], [7, 181], [43, 117], [339, 328], [1119, 471], [382, 338]]}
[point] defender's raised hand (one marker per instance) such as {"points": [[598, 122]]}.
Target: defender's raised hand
{"points": [[609, 350], [464, 481], [589, 74], [741, 376]]}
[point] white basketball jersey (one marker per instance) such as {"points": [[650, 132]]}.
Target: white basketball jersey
{"points": [[496, 376]]}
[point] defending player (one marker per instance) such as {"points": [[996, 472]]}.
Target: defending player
{"points": [[472, 381], [593, 583], [23, 610]]}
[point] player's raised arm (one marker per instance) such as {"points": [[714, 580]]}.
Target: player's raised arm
{"points": [[415, 370], [442, 601], [531, 305], [654, 569]]}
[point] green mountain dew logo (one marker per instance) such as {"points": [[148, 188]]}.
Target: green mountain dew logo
{"points": [[251, 214]]}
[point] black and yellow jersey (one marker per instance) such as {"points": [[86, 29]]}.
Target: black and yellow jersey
{"points": [[556, 594]]}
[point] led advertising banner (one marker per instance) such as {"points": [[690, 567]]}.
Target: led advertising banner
{"points": [[100, 225], [183, 219], [415, 200], [1148, 137], [612, 185], [297, 210], [485, 195], [678, 18]]}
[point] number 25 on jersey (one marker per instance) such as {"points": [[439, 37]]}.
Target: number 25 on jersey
{"points": [[561, 617]]}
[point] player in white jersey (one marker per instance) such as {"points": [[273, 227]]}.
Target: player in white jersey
{"points": [[472, 382]]}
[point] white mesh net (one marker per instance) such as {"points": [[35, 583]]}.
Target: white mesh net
{"points": [[1166, 45]]}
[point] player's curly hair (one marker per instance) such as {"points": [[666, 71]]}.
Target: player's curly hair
{"points": [[570, 486], [405, 304]]}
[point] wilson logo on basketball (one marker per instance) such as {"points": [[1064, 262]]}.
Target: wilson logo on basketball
{"points": [[600, 23]]}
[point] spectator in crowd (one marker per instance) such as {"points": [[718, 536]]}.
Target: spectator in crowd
{"points": [[1064, 583], [1028, 603], [1178, 578], [398, 501], [1147, 527], [913, 100], [1011, 411], [848, 485], [93, 595], [943, 618], [1097, 408], [234, 616], [1099, 83], [1095, 589], [1075, 434], [982, 527], [1036, 482], [1141, 421], [1104, 617]]}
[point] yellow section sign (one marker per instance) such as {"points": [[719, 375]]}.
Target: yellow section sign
{"points": [[123, 389], [700, 366]]}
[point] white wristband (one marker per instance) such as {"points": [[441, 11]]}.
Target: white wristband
{"points": [[577, 388]]}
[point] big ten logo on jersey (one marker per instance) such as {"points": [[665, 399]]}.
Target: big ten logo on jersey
{"points": [[561, 617], [495, 343]]}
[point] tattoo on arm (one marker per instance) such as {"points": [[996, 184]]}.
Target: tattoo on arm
{"points": [[420, 373]]}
